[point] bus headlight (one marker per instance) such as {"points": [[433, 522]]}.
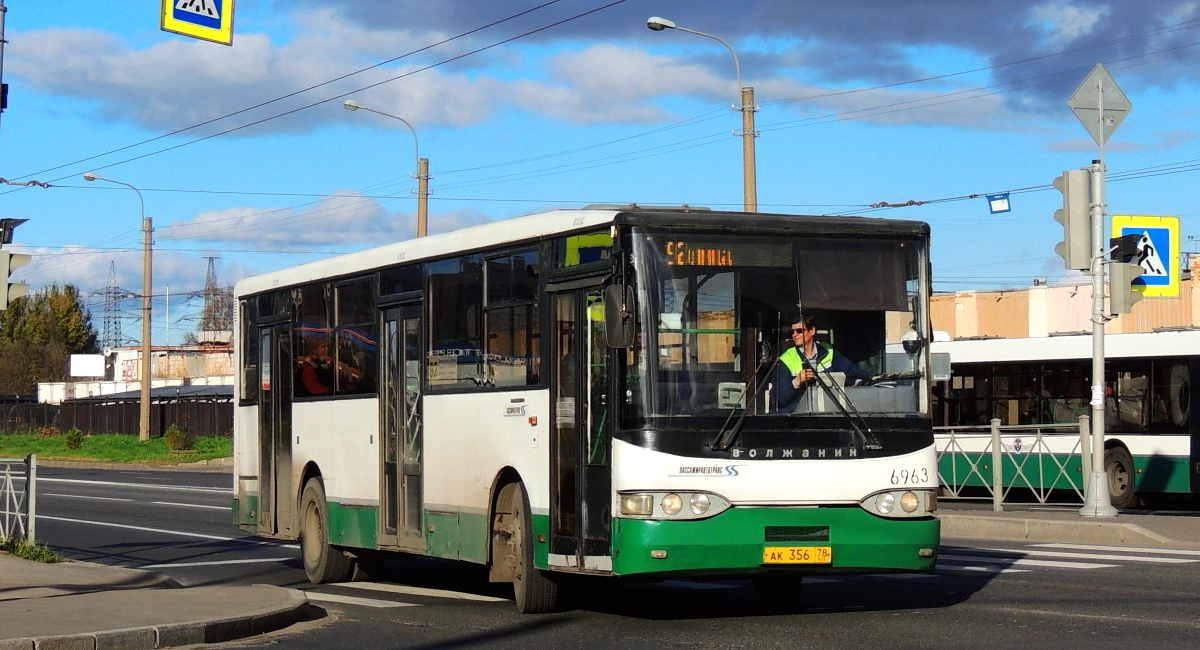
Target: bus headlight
{"points": [[901, 503], [885, 503], [637, 505], [671, 505]]}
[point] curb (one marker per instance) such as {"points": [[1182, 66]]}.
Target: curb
{"points": [[215, 466], [149, 637], [1035, 530]]}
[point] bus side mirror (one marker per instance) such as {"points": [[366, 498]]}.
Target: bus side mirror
{"points": [[619, 311]]}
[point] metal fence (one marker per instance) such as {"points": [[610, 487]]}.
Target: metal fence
{"points": [[1045, 460], [18, 497], [203, 416]]}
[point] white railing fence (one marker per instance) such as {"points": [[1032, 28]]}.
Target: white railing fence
{"points": [[18, 497], [1037, 458]]}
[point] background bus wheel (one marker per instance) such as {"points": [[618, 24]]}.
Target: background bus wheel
{"points": [[322, 562], [1118, 465], [535, 593], [777, 592]]}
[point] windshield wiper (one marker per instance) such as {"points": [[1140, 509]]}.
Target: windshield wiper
{"points": [[845, 407], [726, 437]]}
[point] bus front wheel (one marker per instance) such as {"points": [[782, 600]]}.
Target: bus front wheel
{"points": [[322, 563], [535, 593], [1118, 465]]}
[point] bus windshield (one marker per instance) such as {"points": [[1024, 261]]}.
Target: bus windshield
{"points": [[726, 322]]}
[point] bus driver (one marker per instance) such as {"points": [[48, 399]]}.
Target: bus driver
{"points": [[795, 373]]}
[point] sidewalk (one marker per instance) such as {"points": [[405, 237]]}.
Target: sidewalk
{"points": [[83, 605], [1063, 524]]}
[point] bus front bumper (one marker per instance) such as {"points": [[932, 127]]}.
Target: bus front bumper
{"points": [[734, 542]]}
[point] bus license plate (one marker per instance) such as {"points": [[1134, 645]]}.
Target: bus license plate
{"points": [[797, 555]]}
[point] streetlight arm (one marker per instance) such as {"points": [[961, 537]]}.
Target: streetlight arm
{"points": [[352, 105], [736, 66], [91, 176]]}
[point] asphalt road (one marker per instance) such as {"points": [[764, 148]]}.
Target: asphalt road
{"points": [[983, 595]]}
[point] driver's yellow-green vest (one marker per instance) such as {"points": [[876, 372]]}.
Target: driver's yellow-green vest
{"points": [[791, 359]]}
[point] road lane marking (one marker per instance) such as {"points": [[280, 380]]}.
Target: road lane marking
{"points": [[353, 600], [188, 505], [172, 565], [417, 591], [150, 486], [221, 538], [81, 496], [1098, 556], [978, 569], [1012, 561], [1126, 549]]}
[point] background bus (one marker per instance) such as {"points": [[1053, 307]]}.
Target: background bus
{"points": [[589, 392], [1152, 444]]}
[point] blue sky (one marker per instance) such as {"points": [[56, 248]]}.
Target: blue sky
{"points": [[245, 153]]}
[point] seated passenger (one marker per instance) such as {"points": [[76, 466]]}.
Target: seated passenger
{"points": [[794, 373]]}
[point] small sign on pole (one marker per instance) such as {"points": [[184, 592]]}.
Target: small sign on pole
{"points": [[207, 20], [998, 203]]}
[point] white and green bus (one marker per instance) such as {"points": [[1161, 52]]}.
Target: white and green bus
{"points": [[589, 392], [1151, 442]]}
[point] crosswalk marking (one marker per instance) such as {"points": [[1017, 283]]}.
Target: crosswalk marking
{"points": [[416, 591], [354, 600], [1122, 549], [978, 569], [1099, 556]]}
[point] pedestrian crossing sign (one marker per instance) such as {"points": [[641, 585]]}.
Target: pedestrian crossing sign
{"points": [[209, 20], [1157, 252]]}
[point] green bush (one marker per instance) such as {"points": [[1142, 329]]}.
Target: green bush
{"points": [[24, 549], [74, 438], [179, 438]]}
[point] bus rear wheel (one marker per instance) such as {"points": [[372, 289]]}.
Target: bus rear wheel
{"points": [[323, 563], [1118, 465], [535, 592]]}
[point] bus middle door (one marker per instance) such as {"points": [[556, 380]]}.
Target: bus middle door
{"points": [[581, 479], [401, 435]]}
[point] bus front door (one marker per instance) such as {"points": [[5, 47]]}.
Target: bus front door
{"points": [[400, 420], [581, 478], [276, 501]]}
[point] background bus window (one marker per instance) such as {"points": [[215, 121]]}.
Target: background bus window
{"points": [[512, 355], [357, 340], [1171, 396], [455, 311], [1127, 388], [312, 335], [248, 312]]}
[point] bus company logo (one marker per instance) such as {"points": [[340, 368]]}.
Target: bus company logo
{"points": [[708, 470], [1017, 445]]}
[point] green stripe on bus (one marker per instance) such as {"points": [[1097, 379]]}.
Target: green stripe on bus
{"points": [[734, 540], [1154, 473], [352, 525]]}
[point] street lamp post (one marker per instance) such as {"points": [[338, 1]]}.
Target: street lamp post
{"points": [[147, 229], [422, 167], [749, 173]]}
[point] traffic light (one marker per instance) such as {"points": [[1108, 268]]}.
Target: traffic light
{"points": [[1075, 216], [1121, 294], [10, 292]]}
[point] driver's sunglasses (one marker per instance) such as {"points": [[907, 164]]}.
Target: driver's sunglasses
{"points": [[798, 330]]}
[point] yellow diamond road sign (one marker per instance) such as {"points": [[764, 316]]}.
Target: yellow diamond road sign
{"points": [[209, 20]]}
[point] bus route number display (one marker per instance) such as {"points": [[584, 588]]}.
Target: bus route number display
{"points": [[692, 253]]}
